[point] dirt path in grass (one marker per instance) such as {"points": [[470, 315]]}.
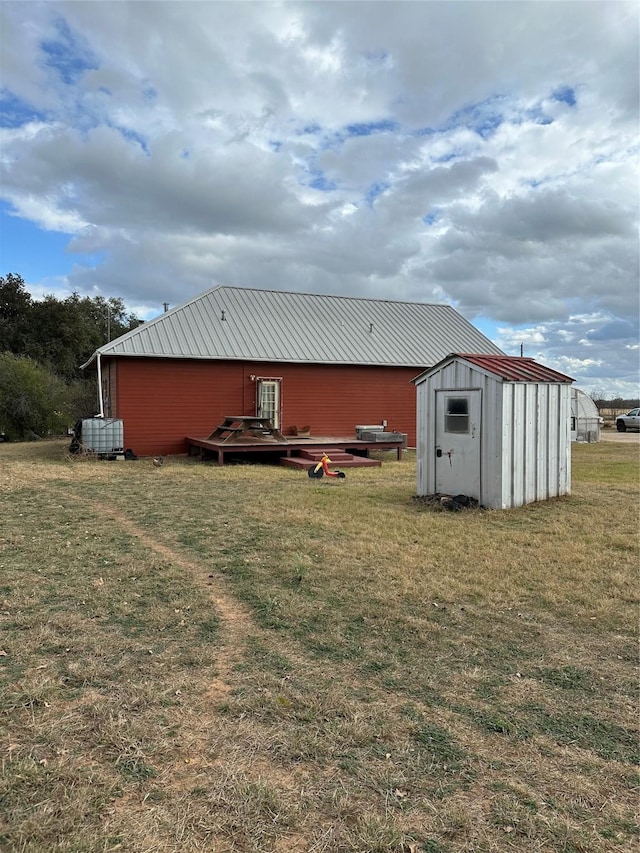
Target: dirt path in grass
{"points": [[236, 626], [236, 623]]}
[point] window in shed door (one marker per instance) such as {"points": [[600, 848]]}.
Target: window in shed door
{"points": [[456, 418]]}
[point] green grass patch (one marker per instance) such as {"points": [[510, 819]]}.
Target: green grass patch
{"points": [[205, 658]]}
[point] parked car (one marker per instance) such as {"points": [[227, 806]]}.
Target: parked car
{"points": [[629, 421]]}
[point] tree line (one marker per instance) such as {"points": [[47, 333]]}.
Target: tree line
{"points": [[42, 345], [605, 403]]}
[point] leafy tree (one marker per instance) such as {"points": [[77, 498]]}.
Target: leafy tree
{"points": [[42, 345], [59, 333], [15, 306], [33, 400]]}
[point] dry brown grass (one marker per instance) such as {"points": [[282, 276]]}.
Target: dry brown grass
{"points": [[240, 659]]}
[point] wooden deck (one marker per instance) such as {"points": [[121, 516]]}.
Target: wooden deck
{"points": [[291, 448]]}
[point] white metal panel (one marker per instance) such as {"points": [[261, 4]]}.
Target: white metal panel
{"points": [[553, 445], [531, 443], [423, 427], [536, 462], [543, 432], [517, 470], [491, 440], [564, 450]]}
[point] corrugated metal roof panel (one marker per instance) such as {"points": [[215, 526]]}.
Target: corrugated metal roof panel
{"points": [[510, 367], [268, 325]]}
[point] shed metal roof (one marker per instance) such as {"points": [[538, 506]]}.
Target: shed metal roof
{"points": [[511, 368], [267, 325]]}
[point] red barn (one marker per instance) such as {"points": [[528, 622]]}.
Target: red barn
{"points": [[328, 362]]}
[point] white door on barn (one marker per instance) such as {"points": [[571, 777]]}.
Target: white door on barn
{"points": [[268, 400], [458, 443]]}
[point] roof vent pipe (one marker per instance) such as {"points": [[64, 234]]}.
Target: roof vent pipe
{"points": [[166, 306], [223, 317], [370, 327]]}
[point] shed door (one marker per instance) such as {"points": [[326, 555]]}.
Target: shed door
{"points": [[268, 401], [457, 448]]}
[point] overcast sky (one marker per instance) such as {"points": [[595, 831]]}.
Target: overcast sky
{"points": [[483, 154]]}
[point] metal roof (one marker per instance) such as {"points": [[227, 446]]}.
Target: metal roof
{"points": [[268, 325], [511, 368]]}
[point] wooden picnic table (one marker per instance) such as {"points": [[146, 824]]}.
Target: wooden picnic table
{"points": [[235, 427]]}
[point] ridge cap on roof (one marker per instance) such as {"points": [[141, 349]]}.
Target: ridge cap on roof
{"points": [[324, 295]]}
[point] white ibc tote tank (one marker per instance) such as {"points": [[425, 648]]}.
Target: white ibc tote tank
{"points": [[103, 435]]}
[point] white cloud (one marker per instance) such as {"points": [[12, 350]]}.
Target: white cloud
{"points": [[479, 153]]}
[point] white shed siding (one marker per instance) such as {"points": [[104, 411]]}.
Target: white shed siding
{"points": [[536, 463], [542, 429], [564, 439], [424, 426], [493, 440]]}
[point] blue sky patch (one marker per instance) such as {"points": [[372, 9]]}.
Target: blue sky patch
{"points": [[322, 184], [311, 129], [615, 330], [536, 115], [371, 127], [30, 251], [132, 136], [448, 157], [487, 326], [14, 112], [484, 118], [67, 55], [375, 190], [353, 131], [423, 131], [566, 95]]}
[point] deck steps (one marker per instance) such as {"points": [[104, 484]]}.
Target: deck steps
{"points": [[339, 459]]}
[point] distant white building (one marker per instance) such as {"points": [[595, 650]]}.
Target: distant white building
{"points": [[585, 417]]}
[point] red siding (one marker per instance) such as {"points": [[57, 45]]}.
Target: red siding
{"points": [[161, 401]]}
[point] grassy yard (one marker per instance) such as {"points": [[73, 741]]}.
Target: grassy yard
{"points": [[240, 659]]}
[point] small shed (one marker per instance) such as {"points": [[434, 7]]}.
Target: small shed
{"points": [[495, 428]]}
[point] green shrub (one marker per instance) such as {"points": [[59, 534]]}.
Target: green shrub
{"points": [[34, 401]]}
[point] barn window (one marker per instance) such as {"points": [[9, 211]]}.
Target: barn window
{"points": [[456, 418]]}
